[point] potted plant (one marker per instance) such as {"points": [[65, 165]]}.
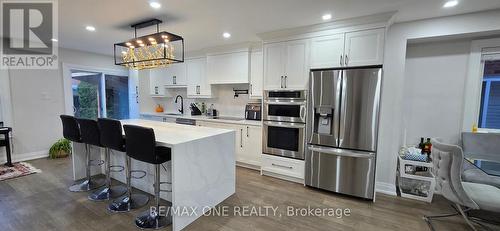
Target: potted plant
{"points": [[61, 149]]}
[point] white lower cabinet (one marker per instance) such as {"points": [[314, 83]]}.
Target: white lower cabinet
{"points": [[284, 168], [248, 142]]}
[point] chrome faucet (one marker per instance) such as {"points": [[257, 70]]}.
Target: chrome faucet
{"points": [[182, 103]]}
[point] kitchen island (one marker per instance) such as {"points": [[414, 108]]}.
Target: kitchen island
{"points": [[202, 170]]}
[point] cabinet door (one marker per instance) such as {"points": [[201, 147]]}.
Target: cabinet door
{"points": [[327, 51], [274, 66], [156, 81], [198, 86], [252, 145], [297, 64], [176, 75], [364, 48], [256, 74], [230, 68]]}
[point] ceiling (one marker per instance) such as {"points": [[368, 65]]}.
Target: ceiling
{"points": [[202, 22]]}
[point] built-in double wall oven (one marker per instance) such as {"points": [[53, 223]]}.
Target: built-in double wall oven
{"points": [[284, 116]]}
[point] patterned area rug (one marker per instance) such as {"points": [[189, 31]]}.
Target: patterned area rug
{"points": [[19, 169]]}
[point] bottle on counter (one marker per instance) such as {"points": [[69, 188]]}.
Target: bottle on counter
{"points": [[421, 145], [474, 128], [203, 108], [428, 148]]}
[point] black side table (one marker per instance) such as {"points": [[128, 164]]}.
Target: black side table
{"points": [[5, 131]]}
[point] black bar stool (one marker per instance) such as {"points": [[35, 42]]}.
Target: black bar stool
{"points": [[115, 141], [71, 131], [141, 145], [110, 135]]}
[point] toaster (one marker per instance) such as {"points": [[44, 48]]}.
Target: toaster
{"points": [[253, 111]]}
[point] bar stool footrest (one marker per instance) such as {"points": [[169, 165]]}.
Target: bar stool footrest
{"points": [[99, 162], [119, 168], [138, 177]]}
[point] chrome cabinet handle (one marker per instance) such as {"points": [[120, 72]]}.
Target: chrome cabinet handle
{"points": [[174, 80], [281, 166], [248, 131], [156, 90], [286, 80], [341, 60], [241, 137], [251, 89], [281, 82], [346, 60]]}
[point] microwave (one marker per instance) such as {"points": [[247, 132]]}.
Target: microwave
{"points": [[285, 106]]}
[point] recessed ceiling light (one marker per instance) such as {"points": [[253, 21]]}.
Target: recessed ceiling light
{"points": [[226, 35], [451, 3], [155, 5], [54, 40], [90, 28], [326, 17]]}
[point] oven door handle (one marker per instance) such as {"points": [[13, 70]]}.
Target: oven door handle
{"points": [[271, 102], [303, 113], [284, 125]]}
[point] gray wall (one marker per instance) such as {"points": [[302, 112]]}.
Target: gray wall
{"points": [[434, 90]]}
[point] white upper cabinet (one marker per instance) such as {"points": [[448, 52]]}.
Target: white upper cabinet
{"points": [[327, 51], [256, 74], [274, 65], [198, 86], [229, 68], [156, 82], [297, 64], [286, 65], [176, 75], [363, 48]]}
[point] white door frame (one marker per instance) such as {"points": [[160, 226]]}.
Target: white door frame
{"points": [[68, 92]]}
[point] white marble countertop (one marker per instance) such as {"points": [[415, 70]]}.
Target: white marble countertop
{"points": [[205, 118], [170, 134]]}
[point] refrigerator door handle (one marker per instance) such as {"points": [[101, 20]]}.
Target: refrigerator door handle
{"points": [[342, 152]]}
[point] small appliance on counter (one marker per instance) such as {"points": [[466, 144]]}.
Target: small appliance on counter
{"points": [[253, 111], [194, 110]]}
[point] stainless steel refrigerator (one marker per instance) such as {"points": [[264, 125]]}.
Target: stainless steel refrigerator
{"points": [[342, 128]]}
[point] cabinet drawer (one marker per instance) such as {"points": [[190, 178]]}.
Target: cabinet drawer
{"points": [[283, 166]]}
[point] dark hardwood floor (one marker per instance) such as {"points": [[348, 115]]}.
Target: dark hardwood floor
{"points": [[42, 202]]}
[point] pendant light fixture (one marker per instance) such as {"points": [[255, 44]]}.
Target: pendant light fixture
{"points": [[150, 51]]}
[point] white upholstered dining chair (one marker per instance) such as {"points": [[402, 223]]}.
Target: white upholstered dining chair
{"points": [[447, 161]]}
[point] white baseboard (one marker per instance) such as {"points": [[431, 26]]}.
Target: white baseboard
{"points": [[385, 188], [24, 156]]}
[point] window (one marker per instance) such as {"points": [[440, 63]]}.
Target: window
{"points": [[100, 95], [489, 111]]}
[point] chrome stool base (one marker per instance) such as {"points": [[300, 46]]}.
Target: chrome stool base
{"points": [[108, 193], [146, 220], [86, 185], [125, 204]]}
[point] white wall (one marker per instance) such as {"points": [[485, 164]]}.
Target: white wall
{"points": [[37, 100], [434, 88], [391, 111], [223, 100]]}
